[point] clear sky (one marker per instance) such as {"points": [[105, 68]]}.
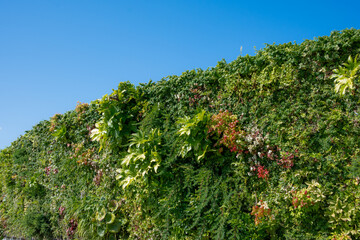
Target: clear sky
{"points": [[54, 53]]}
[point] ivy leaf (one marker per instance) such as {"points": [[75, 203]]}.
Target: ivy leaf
{"points": [[101, 215], [109, 218], [115, 226], [113, 205]]}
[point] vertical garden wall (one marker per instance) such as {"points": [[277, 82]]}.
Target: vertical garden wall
{"points": [[259, 148]]}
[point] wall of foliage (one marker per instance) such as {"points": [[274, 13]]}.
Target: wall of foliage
{"points": [[259, 148]]}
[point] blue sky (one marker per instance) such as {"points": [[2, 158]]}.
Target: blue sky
{"points": [[54, 53]]}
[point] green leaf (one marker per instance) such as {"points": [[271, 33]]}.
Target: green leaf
{"points": [[109, 218], [113, 205], [101, 229], [112, 237], [101, 215], [203, 154], [185, 149], [115, 226], [141, 156]]}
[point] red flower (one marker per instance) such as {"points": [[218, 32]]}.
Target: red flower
{"points": [[262, 172]]}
